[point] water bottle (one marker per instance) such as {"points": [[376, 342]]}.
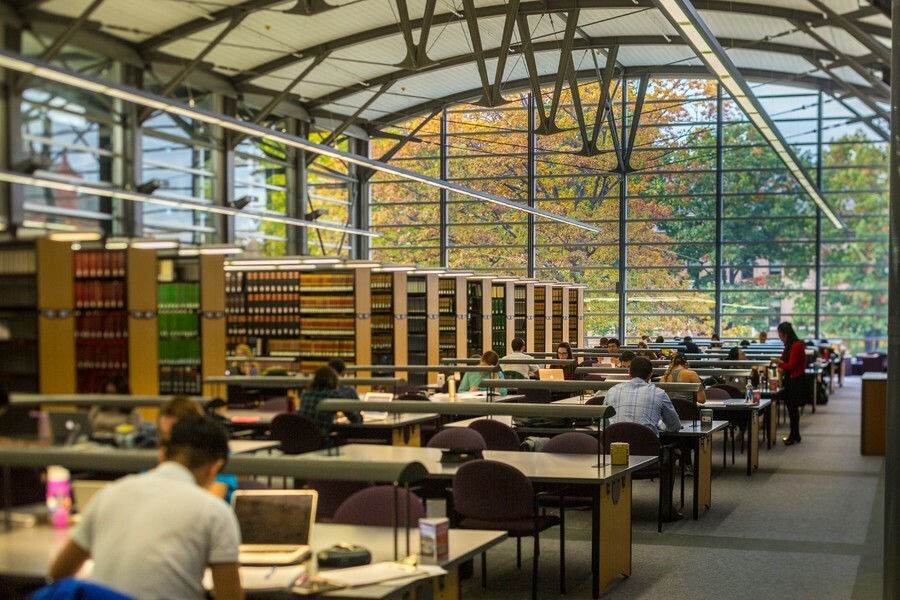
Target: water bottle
{"points": [[749, 392], [451, 389], [59, 499]]}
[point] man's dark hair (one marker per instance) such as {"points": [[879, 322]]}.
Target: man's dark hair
{"points": [[613, 341], [687, 339], [517, 345], [490, 358], [627, 356], [640, 367], [338, 365], [745, 343], [197, 440]]}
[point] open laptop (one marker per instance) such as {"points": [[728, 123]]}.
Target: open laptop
{"points": [[369, 415], [551, 375], [68, 427], [276, 525]]}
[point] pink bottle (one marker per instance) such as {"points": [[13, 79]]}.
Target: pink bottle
{"points": [[59, 499]]}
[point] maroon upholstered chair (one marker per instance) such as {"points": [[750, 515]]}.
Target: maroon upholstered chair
{"points": [[595, 400], [594, 377], [458, 438], [492, 495], [332, 494], [375, 505], [535, 396], [573, 442], [275, 405], [642, 441], [733, 392], [717, 393], [497, 435]]}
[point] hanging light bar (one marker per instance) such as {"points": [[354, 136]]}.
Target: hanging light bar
{"points": [[96, 190], [46, 71], [685, 18]]}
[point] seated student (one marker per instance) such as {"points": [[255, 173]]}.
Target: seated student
{"points": [[763, 337], [745, 343], [518, 353], [175, 410], [344, 391], [660, 339], [564, 351], [714, 341], [625, 359], [105, 420], [471, 380], [325, 384], [678, 372], [243, 367], [153, 535], [689, 346], [613, 346], [736, 353], [639, 401], [644, 350]]}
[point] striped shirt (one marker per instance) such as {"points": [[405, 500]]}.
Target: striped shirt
{"points": [[637, 401]]}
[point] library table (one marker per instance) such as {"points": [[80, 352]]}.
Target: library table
{"points": [[611, 485], [725, 409], [26, 554], [251, 446], [700, 440], [397, 429]]}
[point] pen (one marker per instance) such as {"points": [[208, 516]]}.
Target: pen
{"points": [[271, 572]]}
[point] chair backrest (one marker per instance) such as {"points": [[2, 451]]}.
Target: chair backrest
{"points": [[594, 377], [416, 396], [642, 440], [332, 494], [535, 396], [296, 433], [274, 405], [458, 438], [513, 375], [375, 506], [686, 409], [595, 400], [733, 392], [717, 393], [492, 491], [251, 484], [497, 435], [573, 442]]}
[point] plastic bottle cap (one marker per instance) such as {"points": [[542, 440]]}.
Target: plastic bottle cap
{"points": [[57, 473]]}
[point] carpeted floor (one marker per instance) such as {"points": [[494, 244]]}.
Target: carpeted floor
{"points": [[808, 524]]}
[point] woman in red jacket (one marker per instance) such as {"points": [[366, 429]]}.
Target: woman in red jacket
{"points": [[793, 365]]}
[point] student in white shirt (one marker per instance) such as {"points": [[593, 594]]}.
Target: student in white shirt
{"points": [[518, 353]]}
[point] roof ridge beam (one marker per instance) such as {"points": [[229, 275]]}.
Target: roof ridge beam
{"points": [[853, 28]]}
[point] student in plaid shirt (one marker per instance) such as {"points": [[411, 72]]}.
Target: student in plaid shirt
{"points": [[324, 385], [639, 401]]}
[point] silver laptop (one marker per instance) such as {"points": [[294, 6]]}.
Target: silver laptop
{"points": [[369, 415], [276, 525], [69, 427], [551, 375]]}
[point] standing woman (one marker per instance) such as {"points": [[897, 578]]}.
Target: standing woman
{"points": [[793, 365]]}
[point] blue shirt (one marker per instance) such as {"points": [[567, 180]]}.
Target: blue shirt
{"points": [[637, 401]]}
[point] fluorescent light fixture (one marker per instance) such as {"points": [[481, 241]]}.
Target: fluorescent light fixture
{"points": [[361, 264], [429, 272], [505, 279], [76, 236], [264, 262], [393, 268], [321, 260], [97, 190], [480, 277], [685, 18], [220, 249], [16, 62], [457, 274], [269, 267], [150, 244], [116, 244]]}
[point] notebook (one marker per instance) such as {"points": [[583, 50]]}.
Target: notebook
{"points": [[276, 525], [369, 415], [68, 427], [551, 375]]}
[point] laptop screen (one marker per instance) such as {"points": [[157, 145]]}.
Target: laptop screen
{"points": [[68, 427], [377, 397], [551, 374], [275, 516]]}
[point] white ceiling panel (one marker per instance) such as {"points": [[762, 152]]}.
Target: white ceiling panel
{"points": [[142, 19], [769, 61], [451, 40], [637, 21], [747, 27], [850, 76], [228, 56], [674, 55], [372, 59]]}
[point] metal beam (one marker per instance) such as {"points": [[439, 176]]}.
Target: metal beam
{"points": [[202, 23], [603, 104], [332, 137], [477, 49], [495, 98], [853, 91], [636, 120], [853, 28], [565, 57], [278, 99], [528, 48], [534, 79], [416, 54], [576, 101], [399, 145], [308, 8], [859, 69], [50, 53], [867, 120], [537, 7]]}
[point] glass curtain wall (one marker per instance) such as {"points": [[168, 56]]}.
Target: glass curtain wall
{"points": [[697, 166]]}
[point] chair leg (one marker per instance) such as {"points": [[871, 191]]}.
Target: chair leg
{"points": [[659, 514], [484, 569], [732, 443], [518, 552], [682, 475], [534, 564]]}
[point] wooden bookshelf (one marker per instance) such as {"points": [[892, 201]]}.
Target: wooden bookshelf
{"points": [[576, 316], [542, 318], [559, 307], [499, 343], [328, 322], [433, 323], [453, 317], [116, 320], [390, 341], [37, 323], [417, 324], [191, 293], [520, 311], [480, 317], [529, 318]]}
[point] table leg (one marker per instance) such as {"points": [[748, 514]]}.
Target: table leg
{"points": [[611, 529], [702, 474], [753, 442], [772, 422], [408, 435], [446, 587]]}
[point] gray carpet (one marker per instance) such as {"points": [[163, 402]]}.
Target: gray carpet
{"points": [[808, 524]]}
